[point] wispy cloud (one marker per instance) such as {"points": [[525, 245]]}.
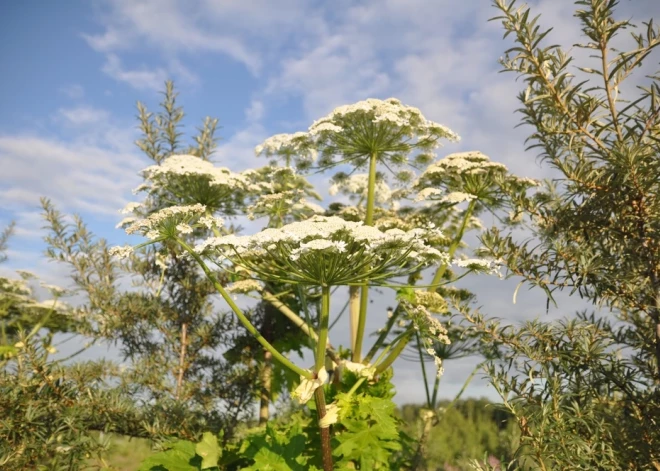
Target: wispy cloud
{"points": [[140, 79], [83, 115]]}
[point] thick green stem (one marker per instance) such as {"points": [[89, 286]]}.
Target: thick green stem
{"points": [[371, 190], [244, 320], [354, 312], [324, 321], [394, 354], [454, 245], [362, 322], [364, 291]]}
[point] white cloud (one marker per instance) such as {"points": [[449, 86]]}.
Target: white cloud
{"points": [[255, 112], [169, 26], [78, 176], [83, 115], [141, 79], [74, 91]]}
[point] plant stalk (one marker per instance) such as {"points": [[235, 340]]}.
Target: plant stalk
{"points": [[244, 320], [326, 449], [324, 321]]}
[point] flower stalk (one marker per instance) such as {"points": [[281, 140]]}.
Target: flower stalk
{"points": [[241, 316]]}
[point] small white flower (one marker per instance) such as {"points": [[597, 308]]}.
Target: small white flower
{"points": [[305, 390], [121, 252], [331, 415]]}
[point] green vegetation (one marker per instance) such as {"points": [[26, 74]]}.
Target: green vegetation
{"points": [[582, 393]]}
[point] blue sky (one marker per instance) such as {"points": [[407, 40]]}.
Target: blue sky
{"points": [[73, 71]]}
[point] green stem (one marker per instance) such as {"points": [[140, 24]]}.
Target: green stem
{"points": [[362, 322], [394, 354], [244, 320], [323, 328], [434, 284], [454, 245], [421, 362], [364, 291], [355, 386], [371, 190], [436, 386]]}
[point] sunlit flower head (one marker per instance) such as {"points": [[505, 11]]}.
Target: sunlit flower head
{"points": [[467, 176], [168, 223], [356, 186], [187, 179], [387, 128], [327, 251], [290, 149]]}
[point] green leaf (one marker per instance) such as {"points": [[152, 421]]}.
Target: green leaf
{"points": [[267, 460], [209, 450], [180, 457]]}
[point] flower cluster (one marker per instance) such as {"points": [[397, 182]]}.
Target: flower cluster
{"points": [[292, 203], [244, 287], [186, 179], [431, 300], [358, 185], [168, 223], [391, 111], [468, 176], [327, 251], [190, 165], [291, 148], [431, 330], [491, 267], [387, 129]]}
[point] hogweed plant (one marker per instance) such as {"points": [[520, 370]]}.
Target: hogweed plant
{"points": [[377, 242]]}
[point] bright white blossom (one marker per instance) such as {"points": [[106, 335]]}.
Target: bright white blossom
{"points": [[166, 219], [428, 193], [130, 208], [359, 369], [431, 330], [305, 390], [491, 267], [121, 252], [472, 162], [358, 185], [324, 245], [244, 287], [288, 146], [391, 111], [331, 415], [328, 251], [190, 165]]}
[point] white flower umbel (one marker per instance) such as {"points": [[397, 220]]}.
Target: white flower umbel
{"points": [[291, 204], [357, 187], [281, 195], [430, 330], [492, 267], [359, 369], [327, 251], [290, 148], [187, 179], [167, 223], [244, 287], [469, 176], [387, 128]]}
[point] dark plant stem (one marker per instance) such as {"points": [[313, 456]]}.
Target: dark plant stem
{"points": [[326, 450]]}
